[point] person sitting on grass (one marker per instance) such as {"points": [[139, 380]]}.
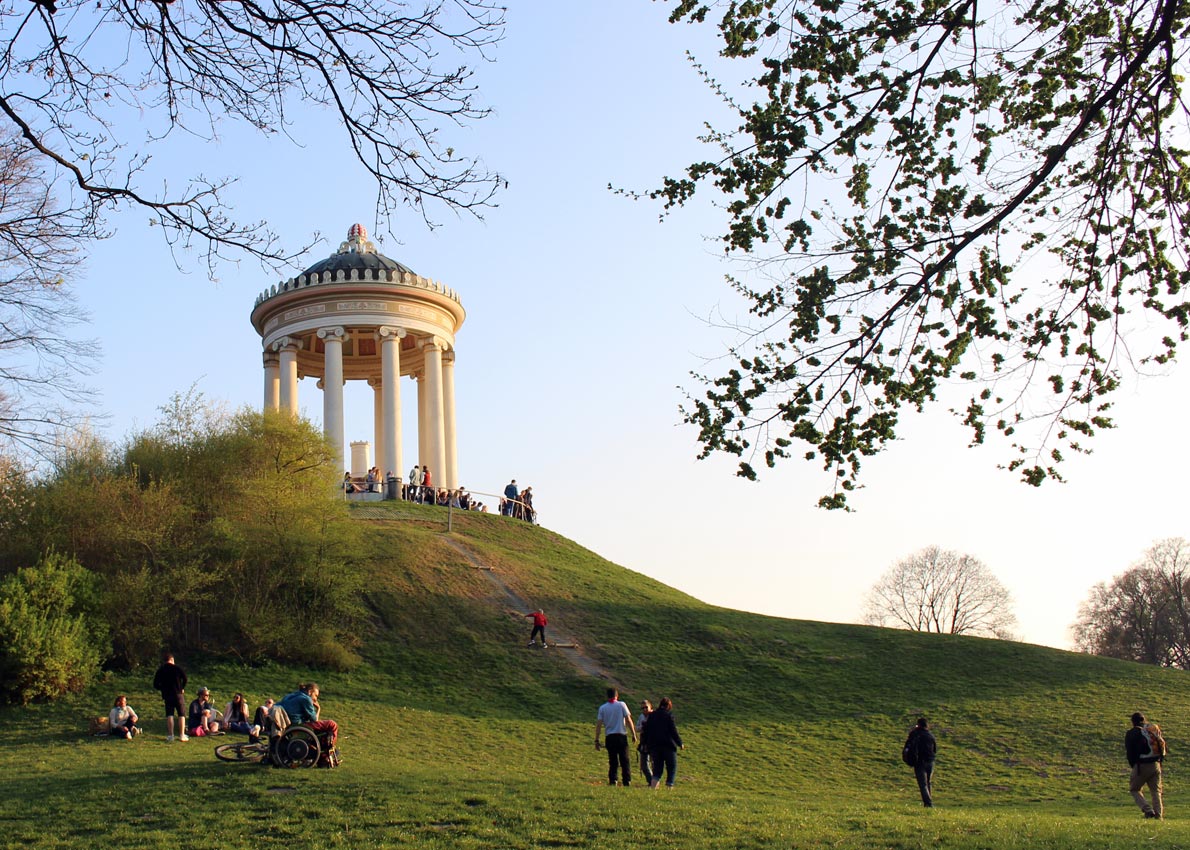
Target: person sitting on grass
{"points": [[302, 707], [260, 720], [122, 719], [201, 718], [235, 717]]}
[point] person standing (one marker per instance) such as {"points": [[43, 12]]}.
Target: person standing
{"points": [[616, 720], [920, 750], [1145, 750], [646, 770], [510, 498], [663, 742], [539, 624], [413, 490], [170, 681]]}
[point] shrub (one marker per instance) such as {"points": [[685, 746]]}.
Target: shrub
{"points": [[51, 638]]}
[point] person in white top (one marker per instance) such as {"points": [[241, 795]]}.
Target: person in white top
{"points": [[122, 719], [615, 720]]}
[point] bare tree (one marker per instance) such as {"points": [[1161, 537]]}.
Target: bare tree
{"points": [[96, 89], [937, 590], [1144, 613], [39, 362]]}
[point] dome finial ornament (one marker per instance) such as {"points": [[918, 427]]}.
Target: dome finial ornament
{"points": [[357, 241]]}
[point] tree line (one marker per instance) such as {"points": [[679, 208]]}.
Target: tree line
{"points": [[1141, 615]]}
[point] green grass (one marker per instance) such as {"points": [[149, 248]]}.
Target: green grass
{"points": [[456, 735]]}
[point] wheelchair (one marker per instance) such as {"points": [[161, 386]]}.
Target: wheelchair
{"points": [[283, 745]]}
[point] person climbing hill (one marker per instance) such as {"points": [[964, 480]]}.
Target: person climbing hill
{"points": [[539, 624]]}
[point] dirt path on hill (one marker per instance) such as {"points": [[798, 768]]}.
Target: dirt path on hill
{"points": [[506, 596]]}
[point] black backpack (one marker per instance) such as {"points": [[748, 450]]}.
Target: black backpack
{"points": [[909, 752]]}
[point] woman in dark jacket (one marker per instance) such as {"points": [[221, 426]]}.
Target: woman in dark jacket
{"points": [[663, 741]]}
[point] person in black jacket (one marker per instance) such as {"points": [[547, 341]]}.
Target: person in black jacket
{"points": [[170, 681], [662, 742], [922, 749], [1146, 767]]}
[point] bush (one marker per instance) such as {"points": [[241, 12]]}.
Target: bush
{"points": [[51, 639]]}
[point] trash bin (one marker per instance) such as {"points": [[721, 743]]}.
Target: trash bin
{"points": [[392, 487]]}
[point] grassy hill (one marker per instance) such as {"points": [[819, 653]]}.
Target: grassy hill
{"points": [[457, 735]]}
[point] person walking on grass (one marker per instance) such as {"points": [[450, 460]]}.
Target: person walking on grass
{"points": [[646, 770], [920, 750], [662, 742], [539, 624], [615, 719], [170, 681], [1145, 748]]}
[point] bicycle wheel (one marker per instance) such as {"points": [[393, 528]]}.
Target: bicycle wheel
{"points": [[297, 747], [242, 752]]}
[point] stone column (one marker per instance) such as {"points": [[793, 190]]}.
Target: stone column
{"points": [[448, 419], [332, 390], [287, 349], [390, 378], [378, 421], [423, 432], [272, 381], [435, 440]]}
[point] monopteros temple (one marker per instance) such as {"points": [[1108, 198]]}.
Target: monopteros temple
{"points": [[360, 316]]}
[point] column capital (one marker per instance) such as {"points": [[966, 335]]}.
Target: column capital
{"points": [[287, 343], [385, 331], [335, 332], [448, 357], [271, 358], [376, 383], [431, 342]]}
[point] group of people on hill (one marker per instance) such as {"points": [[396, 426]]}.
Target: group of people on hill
{"points": [[655, 734], [371, 483], [421, 489], [201, 719], [518, 503]]}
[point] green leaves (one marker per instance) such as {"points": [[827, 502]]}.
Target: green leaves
{"points": [[1010, 197]]}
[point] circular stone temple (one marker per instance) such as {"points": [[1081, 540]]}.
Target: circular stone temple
{"points": [[361, 316]]}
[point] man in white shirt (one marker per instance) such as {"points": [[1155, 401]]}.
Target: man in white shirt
{"points": [[615, 719]]}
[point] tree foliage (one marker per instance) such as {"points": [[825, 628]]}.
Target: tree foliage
{"points": [[52, 635], [1143, 614], [937, 192], [224, 535], [95, 90], [938, 590]]}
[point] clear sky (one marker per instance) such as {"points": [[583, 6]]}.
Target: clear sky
{"points": [[585, 314]]}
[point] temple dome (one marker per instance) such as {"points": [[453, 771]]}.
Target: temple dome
{"points": [[358, 252]]}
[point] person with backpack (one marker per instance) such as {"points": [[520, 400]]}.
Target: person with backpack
{"points": [[919, 752], [1145, 748]]}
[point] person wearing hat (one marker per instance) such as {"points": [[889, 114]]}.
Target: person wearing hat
{"points": [[201, 718]]}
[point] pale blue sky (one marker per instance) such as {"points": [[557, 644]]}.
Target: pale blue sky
{"points": [[582, 320]]}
